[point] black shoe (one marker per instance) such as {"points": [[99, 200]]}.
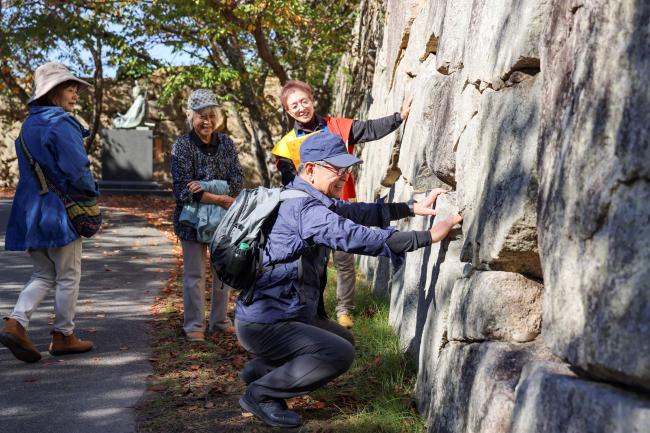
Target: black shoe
{"points": [[271, 412]]}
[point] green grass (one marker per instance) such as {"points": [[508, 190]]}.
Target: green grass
{"points": [[380, 383], [195, 385]]}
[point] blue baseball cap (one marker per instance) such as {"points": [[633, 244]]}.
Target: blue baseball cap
{"points": [[327, 147]]}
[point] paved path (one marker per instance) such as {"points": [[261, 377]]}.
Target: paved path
{"points": [[122, 269]]}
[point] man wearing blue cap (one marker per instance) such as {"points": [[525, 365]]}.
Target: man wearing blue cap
{"points": [[297, 349]]}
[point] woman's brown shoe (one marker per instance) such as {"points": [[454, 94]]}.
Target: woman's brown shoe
{"points": [[15, 338], [68, 344]]}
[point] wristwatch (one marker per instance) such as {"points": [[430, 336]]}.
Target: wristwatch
{"points": [[410, 204]]}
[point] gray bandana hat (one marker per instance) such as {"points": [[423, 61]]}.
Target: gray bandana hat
{"points": [[200, 99]]}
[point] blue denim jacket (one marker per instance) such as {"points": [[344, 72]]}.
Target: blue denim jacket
{"points": [[55, 139], [297, 246]]}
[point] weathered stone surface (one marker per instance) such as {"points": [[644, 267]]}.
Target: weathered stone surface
{"points": [[411, 286], [357, 68], [434, 331], [400, 15], [497, 181], [417, 130], [551, 399], [381, 278], [474, 386], [428, 25], [495, 306], [8, 161], [451, 107], [446, 269], [503, 37], [451, 44], [478, 120], [594, 209]]}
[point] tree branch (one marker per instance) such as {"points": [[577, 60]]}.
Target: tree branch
{"points": [[12, 83]]}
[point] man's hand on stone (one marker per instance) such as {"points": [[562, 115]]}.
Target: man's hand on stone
{"points": [[424, 207], [406, 107]]}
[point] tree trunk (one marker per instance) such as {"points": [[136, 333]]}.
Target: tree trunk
{"points": [[262, 137], [267, 55], [258, 32], [12, 84], [98, 96]]}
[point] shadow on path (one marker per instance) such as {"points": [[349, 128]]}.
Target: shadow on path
{"points": [[123, 268]]}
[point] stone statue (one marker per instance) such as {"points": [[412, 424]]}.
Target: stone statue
{"points": [[135, 114]]}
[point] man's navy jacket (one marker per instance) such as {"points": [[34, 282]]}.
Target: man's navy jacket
{"points": [[297, 247]]}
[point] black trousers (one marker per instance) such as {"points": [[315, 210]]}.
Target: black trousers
{"points": [[295, 358]]}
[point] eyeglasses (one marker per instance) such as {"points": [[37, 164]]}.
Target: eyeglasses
{"points": [[340, 171], [303, 103]]}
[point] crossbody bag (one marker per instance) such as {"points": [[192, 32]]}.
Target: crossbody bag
{"points": [[82, 210]]}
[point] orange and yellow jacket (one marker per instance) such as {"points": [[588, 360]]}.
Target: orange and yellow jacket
{"points": [[287, 150]]}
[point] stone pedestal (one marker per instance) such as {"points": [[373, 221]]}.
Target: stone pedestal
{"points": [[127, 156], [127, 162]]}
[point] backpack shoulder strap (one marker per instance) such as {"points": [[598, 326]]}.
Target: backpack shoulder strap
{"points": [[34, 165], [287, 194]]}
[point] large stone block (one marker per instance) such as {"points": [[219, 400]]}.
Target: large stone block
{"points": [[417, 130], [474, 386], [503, 37], [495, 306], [428, 27], [451, 106], [356, 70], [432, 334], [594, 201], [400, 15], [497, 181], [412, 287], [451, 44], [551, 399]]}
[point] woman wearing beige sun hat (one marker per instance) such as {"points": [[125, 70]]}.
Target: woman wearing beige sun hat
{"points": [[38, 222]]}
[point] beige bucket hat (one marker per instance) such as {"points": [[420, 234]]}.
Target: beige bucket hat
{"points": [[48, 76]]}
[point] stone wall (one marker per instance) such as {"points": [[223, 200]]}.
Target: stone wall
{"points": [[535, 316]]}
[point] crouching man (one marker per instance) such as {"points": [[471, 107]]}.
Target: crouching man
{"points": [[297, 349]]}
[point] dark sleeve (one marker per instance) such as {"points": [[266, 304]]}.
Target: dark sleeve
{"points": [[182, 170], [401, 242], [397, 211], [287, 169], [369, 130], [367, 214], [372, 214]]}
